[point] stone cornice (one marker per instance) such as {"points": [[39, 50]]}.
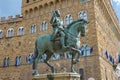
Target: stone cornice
{"points": [[113, 16]]}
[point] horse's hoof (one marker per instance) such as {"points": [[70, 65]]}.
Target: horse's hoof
{"points": [[34, 74], [74, 61], [73, 71], [37, 75]]}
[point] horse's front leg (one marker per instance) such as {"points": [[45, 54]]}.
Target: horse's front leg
{"points": [[51, 67], [78, 57], [38, 54], [46, 62], [72, 63]]}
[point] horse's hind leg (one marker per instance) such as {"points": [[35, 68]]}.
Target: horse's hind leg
{"points": [[51, 67], [79, 53], [72, 63], [38, 54]]}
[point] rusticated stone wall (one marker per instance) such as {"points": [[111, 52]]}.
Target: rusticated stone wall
{"points": [[100, 36]]}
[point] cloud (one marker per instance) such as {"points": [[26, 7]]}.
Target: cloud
{"points": [[117, 2]]}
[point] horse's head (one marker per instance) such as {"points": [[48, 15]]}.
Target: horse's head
{"points": [[82, 26], [77, 27]]}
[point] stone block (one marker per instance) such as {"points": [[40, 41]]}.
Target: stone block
{"points": [[58, 76]]}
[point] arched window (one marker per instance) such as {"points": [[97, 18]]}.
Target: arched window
{"points": [[87, 48], [82, 50], [107, 54], [36, 11], [21, 31], [44, 26], [68, 19], [110, 58], [83, 15], [33, 57], [8, 61], [27, 60], [1, 33], [40, 59], [71, 19], [20, 60], [10, 32], [17, 61], [30, 58], [68, 55], [55, 57], [26, 13], [43, 58], [33, 29], [31, 12], [5, 62]]}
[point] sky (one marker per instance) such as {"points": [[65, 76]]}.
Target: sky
{"points": [[13, 7], [10, 7], [116, 6]]}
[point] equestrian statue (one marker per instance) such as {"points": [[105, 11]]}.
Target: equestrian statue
{"points": [[63, 39]]}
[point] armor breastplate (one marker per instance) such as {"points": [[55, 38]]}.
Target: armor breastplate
{"points": [[58, 22]]}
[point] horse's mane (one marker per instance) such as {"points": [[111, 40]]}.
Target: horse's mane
{"points": [[79, 20]]}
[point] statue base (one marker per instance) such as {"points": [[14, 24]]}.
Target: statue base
{"points": [[58, 76]]}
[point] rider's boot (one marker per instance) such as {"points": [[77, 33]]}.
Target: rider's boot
{"points": [[62, 40], [54, 34]]}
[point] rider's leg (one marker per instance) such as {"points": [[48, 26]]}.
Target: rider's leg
{"points": [[62, 40], [55, 31]]}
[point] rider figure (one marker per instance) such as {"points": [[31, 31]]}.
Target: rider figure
{"points": [[58, 26]]}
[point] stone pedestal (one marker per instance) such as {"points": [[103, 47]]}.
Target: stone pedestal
{"points": [[58, 76]]}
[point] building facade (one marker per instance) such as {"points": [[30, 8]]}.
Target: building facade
{"points": [[100, 47]]}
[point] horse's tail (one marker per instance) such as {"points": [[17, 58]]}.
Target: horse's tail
{"points": [[35, 49], [35, 55]]}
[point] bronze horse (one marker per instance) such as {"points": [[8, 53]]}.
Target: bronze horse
{"points": [[44, 45]]}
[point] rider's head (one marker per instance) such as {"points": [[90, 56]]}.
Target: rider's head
{"points": [[57, 12]]}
